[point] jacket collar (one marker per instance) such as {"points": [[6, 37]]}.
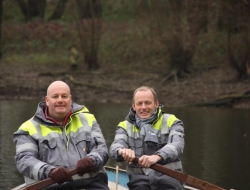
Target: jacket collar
{"points": [[132, 119], [42, 116]]}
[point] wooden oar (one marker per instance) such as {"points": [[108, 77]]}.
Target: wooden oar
{"points": [[44, 183], [187, 179]]}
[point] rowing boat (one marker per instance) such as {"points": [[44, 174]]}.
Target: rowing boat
{"points": [[117, 179]]}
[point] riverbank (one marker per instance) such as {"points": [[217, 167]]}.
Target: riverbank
{"points": [[213, 87]]}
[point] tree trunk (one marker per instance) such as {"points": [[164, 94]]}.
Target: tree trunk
{"points": [[42, 8], [1, 14], [32, 8], [89, 8], [181, 42], [90, 31], [59, 10], [24, 8], [238, 19]]}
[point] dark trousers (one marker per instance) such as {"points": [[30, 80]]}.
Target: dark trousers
{"points": [[141, 182], [99, 182]]}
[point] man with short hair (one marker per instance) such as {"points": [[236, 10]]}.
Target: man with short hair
{"points": [[62, 135], [154, 137]]}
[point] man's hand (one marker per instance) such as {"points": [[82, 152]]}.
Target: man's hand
{"points": [[60, 175], [84, 165], [147, 161], [127, 154]]}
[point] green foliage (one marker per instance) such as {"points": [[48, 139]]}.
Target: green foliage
{"points": [[126, 46], [36, 59], [12, 13], [70, 14], [211, 50], [118, 10], [130, 40]]}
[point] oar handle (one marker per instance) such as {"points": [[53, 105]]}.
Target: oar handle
{"points": [[45, 183], [187, 179]]}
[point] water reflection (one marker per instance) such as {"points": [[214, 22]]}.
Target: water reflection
{"points": [[217, 146], [12, 114]]}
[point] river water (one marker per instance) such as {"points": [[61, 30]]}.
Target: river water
{"points": [[217, 148]]}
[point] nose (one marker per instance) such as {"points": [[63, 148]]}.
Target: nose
{"points": [[59, 98], [143, 105]]}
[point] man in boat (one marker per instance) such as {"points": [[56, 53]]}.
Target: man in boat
{"points": [[62, 136], [152, 135]]}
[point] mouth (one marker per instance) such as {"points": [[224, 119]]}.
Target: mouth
{"points": [[144, 114], [59, 106]]}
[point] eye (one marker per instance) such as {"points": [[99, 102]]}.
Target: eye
{"points": [[148, 103], [138, 103]]}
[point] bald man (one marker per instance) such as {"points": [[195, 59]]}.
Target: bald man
{"points": [[61, 136]]}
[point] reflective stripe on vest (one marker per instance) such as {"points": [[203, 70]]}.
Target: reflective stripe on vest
{"points": [[161, 127], [41, 132]]}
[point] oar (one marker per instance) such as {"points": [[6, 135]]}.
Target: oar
{"points": [[187, 179], [44, 183]]}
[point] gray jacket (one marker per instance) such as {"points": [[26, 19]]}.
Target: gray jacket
{"points": [[42, 145], [164, 137]]}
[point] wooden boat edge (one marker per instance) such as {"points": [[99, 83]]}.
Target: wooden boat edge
{"points": [[115, 182]]}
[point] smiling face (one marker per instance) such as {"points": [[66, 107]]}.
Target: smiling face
{"points": [[58, 100], [144, 103]]}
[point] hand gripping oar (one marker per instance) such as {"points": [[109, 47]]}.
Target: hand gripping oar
{"points": [[44, 183], [187, 179]]}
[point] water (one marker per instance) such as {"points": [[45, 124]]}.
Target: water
{"points": [[217, 140]]}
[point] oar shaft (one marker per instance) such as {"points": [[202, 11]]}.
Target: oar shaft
{"points": [[40, 185], [187, 179], [203, 185], [45, 183]]}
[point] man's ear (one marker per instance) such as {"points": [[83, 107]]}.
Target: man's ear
{"points": [[46, 100], [133, 106], [157, 103]]}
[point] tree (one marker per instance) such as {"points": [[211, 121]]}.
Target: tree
{"points": [[31, 8], [59, 10], [90, 29], [186, 20], [1, 13], [180, 24], [238, 21]]}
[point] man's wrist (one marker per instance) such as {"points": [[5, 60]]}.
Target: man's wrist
{"points": [[159, 158], [119, 152]]}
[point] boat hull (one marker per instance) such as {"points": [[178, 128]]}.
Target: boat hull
{"points": [[117, 179]]}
